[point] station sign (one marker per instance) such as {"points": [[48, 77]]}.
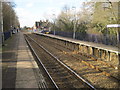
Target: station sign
{"points": [[113, 25]]}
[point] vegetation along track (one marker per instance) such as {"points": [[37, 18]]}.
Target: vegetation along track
{"points": [[61, 75], [95, 71]]}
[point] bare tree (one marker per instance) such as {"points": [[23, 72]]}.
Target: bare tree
{"points": [[10, 18]]}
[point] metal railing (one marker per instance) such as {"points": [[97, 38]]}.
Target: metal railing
{"points": [[101, 39]]}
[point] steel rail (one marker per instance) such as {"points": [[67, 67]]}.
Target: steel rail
{"points": [[68, 68], [56, 86], [88, 64], [89, 56]]}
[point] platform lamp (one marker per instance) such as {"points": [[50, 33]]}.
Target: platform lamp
{"points": [[107, 5], [54, 17], [1, 25], [74, 29]]}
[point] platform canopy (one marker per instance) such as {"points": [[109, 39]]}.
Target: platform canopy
{"points": [[113, 25]]}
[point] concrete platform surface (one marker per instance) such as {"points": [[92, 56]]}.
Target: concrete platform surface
{"points": [[97, 45], [18, 64]]}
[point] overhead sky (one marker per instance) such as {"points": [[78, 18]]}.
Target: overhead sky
{"points": [[30, 11]]}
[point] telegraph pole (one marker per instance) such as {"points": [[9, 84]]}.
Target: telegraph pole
{"points": [[1, 24]]}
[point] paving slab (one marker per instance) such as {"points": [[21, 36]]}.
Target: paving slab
{"points": [[25, 77], [9, 60], [18, 64]]}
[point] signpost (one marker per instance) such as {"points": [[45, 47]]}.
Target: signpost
{"points": [[118, 32], [118, 39]]}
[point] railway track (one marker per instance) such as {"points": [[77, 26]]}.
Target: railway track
{"points": [[59, 73], [86, 56], [79, 57]]}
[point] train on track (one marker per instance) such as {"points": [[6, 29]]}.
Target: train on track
{"points": [[45, 31]]}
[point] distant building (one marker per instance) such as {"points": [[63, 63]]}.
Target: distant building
{"points": [[107, 12], [42, 25]]}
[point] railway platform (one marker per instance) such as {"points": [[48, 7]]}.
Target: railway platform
{"points": [[19, 69], [106, 53]]}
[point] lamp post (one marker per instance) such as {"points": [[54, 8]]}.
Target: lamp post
{"points": [[108, 5], [74, 29], [1, 24], [54, 17]]}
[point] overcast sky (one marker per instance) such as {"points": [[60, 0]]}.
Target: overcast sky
{"points": [[30, 11]]}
